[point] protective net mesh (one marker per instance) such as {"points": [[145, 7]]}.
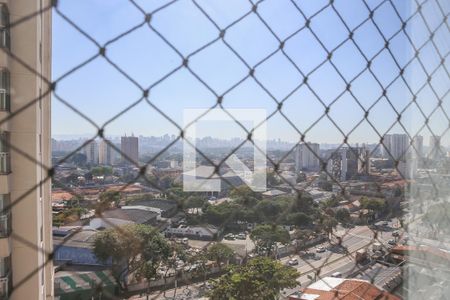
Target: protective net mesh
{"points": [[379, 72]]}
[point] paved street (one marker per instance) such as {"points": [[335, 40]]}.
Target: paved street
{"points": [[329, 263]]}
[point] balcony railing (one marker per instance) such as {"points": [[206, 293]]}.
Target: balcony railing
{"points": [[5, 266], [4, 100], [4, 16], [5, 286], [5, 225], [5, 163]]}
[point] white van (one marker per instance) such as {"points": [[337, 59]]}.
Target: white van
{"points": [[336, 274]]}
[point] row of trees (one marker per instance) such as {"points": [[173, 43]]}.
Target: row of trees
{"points": [[248, 206], [133, 249], [139, 250]]}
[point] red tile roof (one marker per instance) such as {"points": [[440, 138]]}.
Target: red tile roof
{"points": [[349, 289]]}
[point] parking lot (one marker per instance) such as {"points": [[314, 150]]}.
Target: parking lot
{"points": [[240, 245]]}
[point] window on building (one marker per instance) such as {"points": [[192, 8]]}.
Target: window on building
{"points": [[4, 153], [4, 90], [5, 215], [5, 266], [4, 27], [5, 277]]}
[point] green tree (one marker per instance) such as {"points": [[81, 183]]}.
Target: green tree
{"points": [[134, 249], [244, 191], [303, 203], [177, 194], [245, 196], [328, 223], [177, 253], [101, 171], [268, 210], [298, 219], [69, 215], [74, 201], [260, 278], [375, 206], [268, 235], [325, 185], [220, 253], [194, 202], [106, 200], [342, 215], [332, 202], [201, 260], [219, 214]]}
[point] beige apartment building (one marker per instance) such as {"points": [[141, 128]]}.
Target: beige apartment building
{"points": [[129, 146], [25, 216]]}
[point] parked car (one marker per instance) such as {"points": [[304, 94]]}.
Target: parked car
{"points": [[293, 262], [241, 236], [392, 242], [229, 236], [317, 257], [377, 247], [395, 233], [320, 249], [209, 286]]}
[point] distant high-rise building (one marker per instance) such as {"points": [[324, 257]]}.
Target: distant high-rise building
{"points": [[418, 146], [347, 163], [129, 146], [307, 157], [404, 155], [105, 153], [91, 152], [396, 146], [408, 168], [435, 148]]}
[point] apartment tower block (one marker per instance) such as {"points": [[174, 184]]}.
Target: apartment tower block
{"points": [[25, 150]]}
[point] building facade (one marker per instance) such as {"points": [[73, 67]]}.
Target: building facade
{"points": [[307, 157], [396, 146], [26, 271], [418, 146], [106, 153], [91, 152], [435, 149], [348, 163], [405, 155], [129, 146]]}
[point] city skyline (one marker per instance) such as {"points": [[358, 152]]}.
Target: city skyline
{"points": [[303, 107], [172, 137]]}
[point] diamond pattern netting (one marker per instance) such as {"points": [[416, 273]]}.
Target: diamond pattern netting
{"points": [[389, 24]]}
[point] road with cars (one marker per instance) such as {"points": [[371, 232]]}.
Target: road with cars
{"points": [[332, 261], [329, 260]]}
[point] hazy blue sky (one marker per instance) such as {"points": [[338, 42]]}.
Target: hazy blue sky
{"points": [[100, 91]]}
